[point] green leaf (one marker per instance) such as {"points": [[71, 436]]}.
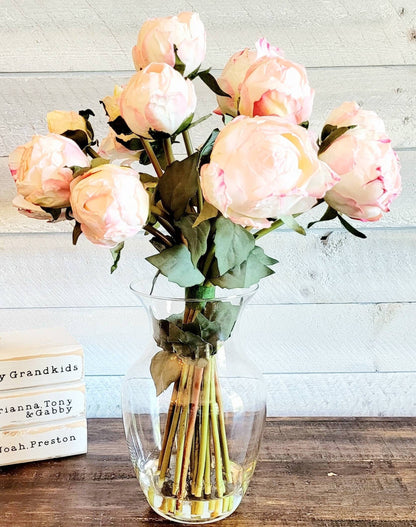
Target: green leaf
{"points": [[330, 214], [305, 124], [76, 233], [327, 130], [212, 83], [175, 263], [247, 273], [206, 148], [195, 236], [179, 65], [179, 184], [133, 144], [225, 315], [333, 136], [147, 178], [184, 126], [208, 211], [290, 222], [55, 213], [116, 253], [98, 161], [80, 137], [165, 369], [120, 126], [233, 244], [350, 228], [200, 120]]}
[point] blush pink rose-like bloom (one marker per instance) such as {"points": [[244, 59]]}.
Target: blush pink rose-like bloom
{"points": [[157, 98], [110, 203], [263, 168], [234, 72], [41, 170], [276, 86], [159, 36], [364, 159]]}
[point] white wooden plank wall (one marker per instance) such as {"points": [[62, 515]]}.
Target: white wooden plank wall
{"points": [[338, 318]]}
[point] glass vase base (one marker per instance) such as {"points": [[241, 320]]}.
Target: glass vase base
{"points": [[188, 510]]}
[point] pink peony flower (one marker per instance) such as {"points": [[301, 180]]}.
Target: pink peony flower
{"points": [[234, 72], [276, 86], [263, 168], [158, 37], [366, 163], [157, 98], [110, 203], [41, 170], [116, 152]]}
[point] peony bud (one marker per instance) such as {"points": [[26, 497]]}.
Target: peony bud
{"points": [[157, 98], [263, 168], [110, 203], [276, 86], [235, 71], [366, 163], [158, 38], [41, 169]]}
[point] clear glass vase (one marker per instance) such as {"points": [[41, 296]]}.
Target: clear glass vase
{"points": [[194, 408]]}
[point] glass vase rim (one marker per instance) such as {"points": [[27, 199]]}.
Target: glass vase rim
{"points": [[243, 292]]}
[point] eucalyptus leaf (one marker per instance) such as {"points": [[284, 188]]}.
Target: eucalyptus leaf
{"points": [[179, 184], [195, 236], [233, 244], [116, 253], [176, 264], [246, 274], [165, 369]]}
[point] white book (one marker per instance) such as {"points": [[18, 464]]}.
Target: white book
{"points": [[38, 405], [39, 357], [35, 443]]}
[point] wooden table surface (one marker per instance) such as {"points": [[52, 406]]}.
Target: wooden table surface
{"points": [[319, 472]]}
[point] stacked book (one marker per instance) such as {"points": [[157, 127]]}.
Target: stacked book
{"points": [[42, 396]]}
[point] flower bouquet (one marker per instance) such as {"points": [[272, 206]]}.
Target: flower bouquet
{"points": [[204, 214]]}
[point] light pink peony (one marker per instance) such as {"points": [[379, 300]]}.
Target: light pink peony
{"points": [[234, 72], [157, 98], [41, 169], [368, 166], [263, 168], [276, 86], [110, 203], [158, 36]]}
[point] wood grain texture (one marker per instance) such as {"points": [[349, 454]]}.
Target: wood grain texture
{"points": [[296, 394], [308, 338], [25, 100], [45, 270], [90, 35], [316, 472]]}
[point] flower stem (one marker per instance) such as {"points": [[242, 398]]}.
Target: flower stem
{"points": [[152, 156], [275, 225], [188, 142], [196, 389], [157, 234], [90, 151], [204, 439], [169, 419], [216, 437], [167, 146], [224, 443], [165, 455], [182, 431]]}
